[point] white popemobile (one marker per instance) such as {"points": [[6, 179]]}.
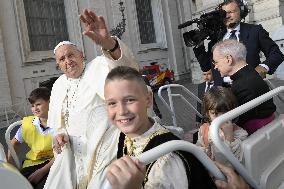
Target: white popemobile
{"points": [[260, 171]]}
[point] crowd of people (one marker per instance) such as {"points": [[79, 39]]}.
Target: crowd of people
{"points": [[88, 128]]}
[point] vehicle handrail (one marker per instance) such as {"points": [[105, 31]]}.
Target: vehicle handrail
{"points": [[218, 142], [170, 107], [167, 147], [9, 144], [280, 96], [2, 154]]}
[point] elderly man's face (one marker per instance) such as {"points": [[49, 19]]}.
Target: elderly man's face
{"points": [[222, 63], [232, 14], [70, 60]]}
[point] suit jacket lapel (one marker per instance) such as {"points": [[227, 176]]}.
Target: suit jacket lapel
{"points": [[244, 33], [201, 89], [221, 34]]}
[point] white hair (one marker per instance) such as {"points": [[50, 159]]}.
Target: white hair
{"points": [[231, 47]]}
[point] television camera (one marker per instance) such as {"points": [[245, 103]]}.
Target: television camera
{"points": [[209, 26]]}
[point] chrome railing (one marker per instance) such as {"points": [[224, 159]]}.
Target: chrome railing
{"points": [[171, 94], [218, 142], [165, 148]]}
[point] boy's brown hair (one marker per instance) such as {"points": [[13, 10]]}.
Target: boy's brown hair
{"points": [[39, 93], [126, 73]]}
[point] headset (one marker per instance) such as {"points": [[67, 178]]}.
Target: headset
{"points": [[244, 10]]}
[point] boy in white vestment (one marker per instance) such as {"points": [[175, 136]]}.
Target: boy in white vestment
{"points": [[127, 100]]}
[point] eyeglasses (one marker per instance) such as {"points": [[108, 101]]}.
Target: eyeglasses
{"points": [[216, 62]]}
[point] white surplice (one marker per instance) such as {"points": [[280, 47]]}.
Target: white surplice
{"points": [[167, 172]]}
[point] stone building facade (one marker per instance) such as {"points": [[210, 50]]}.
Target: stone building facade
{"points": [[29, 31]]}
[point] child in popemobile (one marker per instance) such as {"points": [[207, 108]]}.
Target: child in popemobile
{"points": [[217, 101], [127, 100], [35, 133]]}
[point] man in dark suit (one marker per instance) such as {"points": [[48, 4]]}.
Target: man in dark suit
{"points": [[202, 88], [254, 37]]}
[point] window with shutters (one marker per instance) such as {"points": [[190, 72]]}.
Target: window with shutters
{"points": [[42, 24], [46, 23], [145, 21], [149, 24]]}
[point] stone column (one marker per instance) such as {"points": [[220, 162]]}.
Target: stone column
{"points": [[5, 96], [174, 40]]}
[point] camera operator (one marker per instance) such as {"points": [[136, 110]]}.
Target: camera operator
{"points": [[254, 37]]}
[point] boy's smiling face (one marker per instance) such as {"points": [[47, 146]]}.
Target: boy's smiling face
{"points": [[127, 103], [40, 108]]}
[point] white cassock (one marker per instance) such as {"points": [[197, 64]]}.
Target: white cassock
{"points": [[87, 122]]}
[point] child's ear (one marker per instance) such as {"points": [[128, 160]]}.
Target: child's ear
{"points": [[82, 55], [149, 97]]}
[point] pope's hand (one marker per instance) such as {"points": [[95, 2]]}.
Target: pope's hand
{"points": [[95, 29], [59, 141]]}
